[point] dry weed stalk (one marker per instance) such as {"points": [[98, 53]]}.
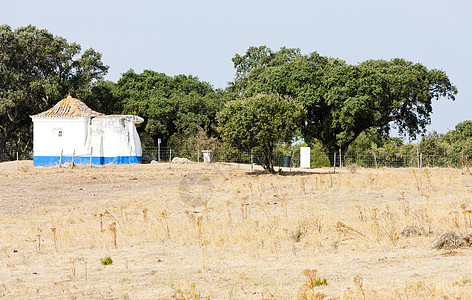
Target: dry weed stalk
{"points": [[40, 231], [85, 264], [165, 216], [284, 201], [102, 215], [428, 177], [359, 285], [228, 212], [361, 212], [113, 230], [467, 213], [405, 205], [348, 294], [244, 207], [197, 222], [455, 218], [303, 184], [250, 187], [465, 161], [275, 188], [54, 235], [73, 266], [101, 222], [418, 182], [25, 169], [346, 229], [107, 213], [307, 291], [389, 228], [145, 212]]}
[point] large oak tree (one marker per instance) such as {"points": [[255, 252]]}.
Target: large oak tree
{"points": [[344, 100], [169, 104], [38, 69]]}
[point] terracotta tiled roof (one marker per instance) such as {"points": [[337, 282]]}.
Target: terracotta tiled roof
{"points": [[69, 108]]}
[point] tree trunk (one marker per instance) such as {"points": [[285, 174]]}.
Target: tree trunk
{"points": [[7, 134], [4, 155], [268, 163]]}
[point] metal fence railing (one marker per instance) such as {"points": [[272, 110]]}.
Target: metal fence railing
{"points": [[318, 158], [7, 156]]}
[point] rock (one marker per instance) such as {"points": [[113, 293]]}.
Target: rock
{"points": [[449, 240], [146, 158], [467, 239], [153, 162], [410, 231], [181, 160]]}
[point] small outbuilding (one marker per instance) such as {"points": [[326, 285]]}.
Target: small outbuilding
{"points": [[72, 132]]}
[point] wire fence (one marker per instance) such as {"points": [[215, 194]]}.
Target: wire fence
{"points": [[318, 159], [7, 156]]}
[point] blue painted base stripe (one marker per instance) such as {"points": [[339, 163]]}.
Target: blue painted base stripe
{"points": [[82, 160]]}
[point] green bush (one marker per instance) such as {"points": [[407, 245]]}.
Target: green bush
{"points": [[106, 261]]}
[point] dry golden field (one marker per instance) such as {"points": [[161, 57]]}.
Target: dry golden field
{"points": [[311, 235]]}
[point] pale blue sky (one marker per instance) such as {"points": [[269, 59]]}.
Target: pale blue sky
{"points": [[201, 37]]}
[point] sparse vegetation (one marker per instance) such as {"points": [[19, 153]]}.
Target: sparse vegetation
{"points": [[106, 261], [260, 236]]}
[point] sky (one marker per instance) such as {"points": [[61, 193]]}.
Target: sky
{"points": [[200, 38]]}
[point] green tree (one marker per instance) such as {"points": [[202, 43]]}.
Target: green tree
{"points": [[460, 142], [343, 100], [37, 69], [433, 144], [103, 97], [169, 105], [259, 123]]}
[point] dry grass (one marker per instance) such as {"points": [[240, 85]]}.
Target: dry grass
{"points": [[258, 236]]}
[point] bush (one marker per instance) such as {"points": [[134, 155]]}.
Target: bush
{"points": [[106, 261]]}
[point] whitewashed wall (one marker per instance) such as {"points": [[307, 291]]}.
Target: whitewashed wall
{"points": [[110, 139], [46, 139], [113, 137]]}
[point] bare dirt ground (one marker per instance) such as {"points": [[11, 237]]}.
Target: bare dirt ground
{"points": [[307, 235]]}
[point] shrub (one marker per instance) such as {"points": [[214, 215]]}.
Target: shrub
{"points": [[106, 261]]}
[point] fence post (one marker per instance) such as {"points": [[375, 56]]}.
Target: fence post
{"points": [[291, 158], [73, 156], [91, 151], [252, 163], [334, 160], [158, 150], [421, 162], [340, 159], [60, 159], [418, 157], [170, 158], [376, 167]]}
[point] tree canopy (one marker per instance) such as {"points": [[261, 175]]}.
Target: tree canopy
{"points": [[169, 105], [38, 69], [259, 123], [344, 100], [337, 101]]}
